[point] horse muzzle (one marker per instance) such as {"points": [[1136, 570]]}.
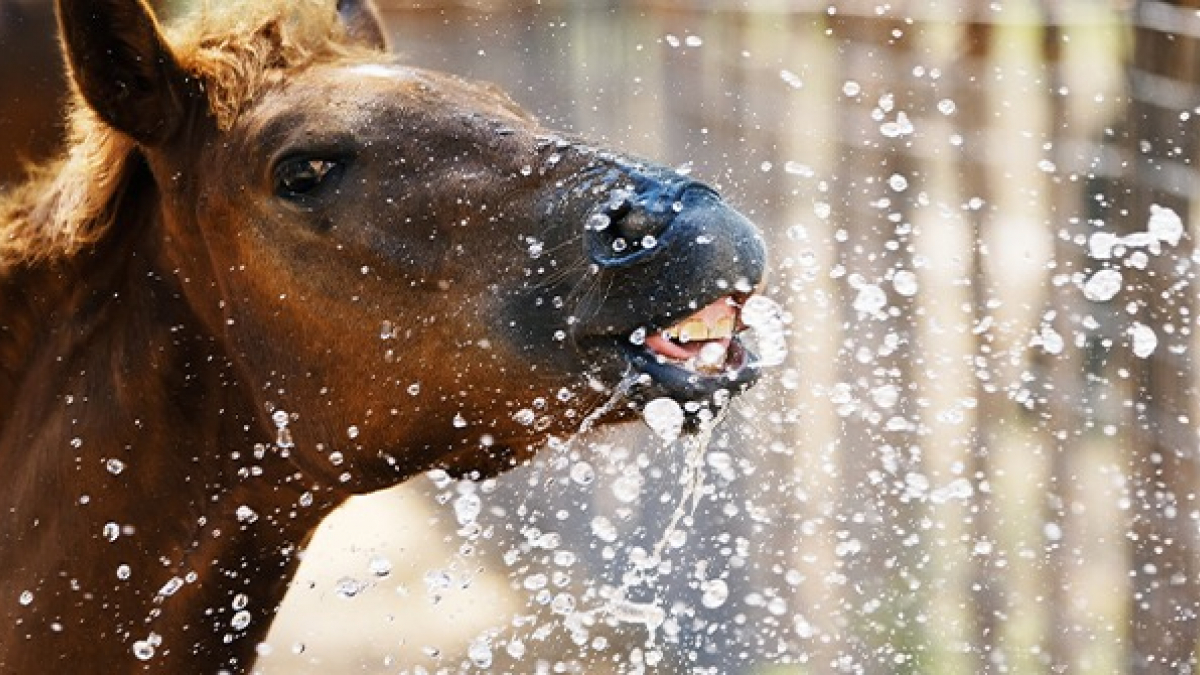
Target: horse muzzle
{"points": [[678, 265]]}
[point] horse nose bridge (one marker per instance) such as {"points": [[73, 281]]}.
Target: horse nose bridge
{"points": [[630, 223]]}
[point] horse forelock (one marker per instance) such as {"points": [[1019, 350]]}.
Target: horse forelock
{"points": [[238, 49], [233, 50]]}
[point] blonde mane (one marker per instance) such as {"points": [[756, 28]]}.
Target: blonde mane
{"points": [[234, 51]]}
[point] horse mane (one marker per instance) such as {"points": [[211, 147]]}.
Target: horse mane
{"points": [[234, 49]]}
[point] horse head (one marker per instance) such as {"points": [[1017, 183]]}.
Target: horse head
{"points": [[307, 271]]}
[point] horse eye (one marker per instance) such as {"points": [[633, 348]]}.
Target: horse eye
{"points": [[295, 178]]}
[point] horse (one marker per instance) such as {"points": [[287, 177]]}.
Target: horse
{"points": [[275, 267]]}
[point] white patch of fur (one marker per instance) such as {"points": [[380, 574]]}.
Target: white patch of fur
{"points": [[378, 70]]}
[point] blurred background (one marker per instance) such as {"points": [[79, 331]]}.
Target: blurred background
{"points": [[980, 455]]}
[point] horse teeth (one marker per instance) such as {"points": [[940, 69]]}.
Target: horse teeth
{"points": [[692, 330], [723, 329], [697, 330]]}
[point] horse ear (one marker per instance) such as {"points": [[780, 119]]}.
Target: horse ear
{"points": [[362, 23], [122, 66]]}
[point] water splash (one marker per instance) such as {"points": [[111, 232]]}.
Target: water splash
{"points": [[283, 435], [644, 568], [665, 417], [769, 323]]}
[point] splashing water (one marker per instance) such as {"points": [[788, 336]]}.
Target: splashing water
{"points": [[692, 479], [1103, 285], [644, 568], [619, 392], [665, 417], [283, 435], [766, 318]]}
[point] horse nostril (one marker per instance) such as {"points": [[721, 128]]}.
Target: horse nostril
{"points": [[634, 221], [635, 225]]}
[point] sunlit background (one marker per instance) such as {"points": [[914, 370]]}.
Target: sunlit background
{"points": [[980, 455]]}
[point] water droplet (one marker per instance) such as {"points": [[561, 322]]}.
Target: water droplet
{"points": [[459, 421], [123, 572], [712, 355], [693, 41], [905, 282], [387, 330], [1165, 224], [352, 432], [111, 531], [380, 566], [241, 601], [1144, 339], [583, 473], [851, 88], [171, 587], [516, 648], [628, 611], [714, 593], [348, 587], [480, 653], [467, 508], [26, 598], [665, 417], [240, 620], [870, 299], [143, 650], [283, 437], [627, 489], [524, 417], [603, 529], [114, 466], [598, 222], [946, 106], [563, 603], [414, 389], [649, 241], [765, 317], [797, 169], [1103, 285], [902, 126], [245, 514]]}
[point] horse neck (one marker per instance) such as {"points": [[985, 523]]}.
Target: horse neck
{"points": [[144, 506]]}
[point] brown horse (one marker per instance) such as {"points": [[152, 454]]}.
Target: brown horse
{"points": [[276, 269]]}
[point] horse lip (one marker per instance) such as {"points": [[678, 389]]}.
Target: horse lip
{"points": [[667, 378]]}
